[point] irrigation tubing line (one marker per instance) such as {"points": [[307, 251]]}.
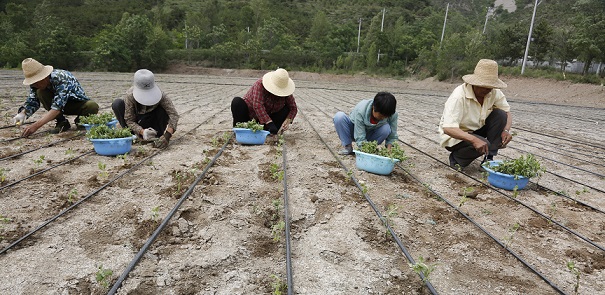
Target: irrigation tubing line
{"points": [[535, 271], [42, 171], [159, 229], [21, 137], [378, 213], [98, 190], [562, 138], [568, 155], [75, 204], [10, 126], [568, 197], [560, 176], [290, 281], [502, 193], [519, 202], [41, 147]]}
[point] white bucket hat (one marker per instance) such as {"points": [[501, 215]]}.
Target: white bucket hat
{"points": [[278, 82], [145, 91], [485, 75], [34, 71]]}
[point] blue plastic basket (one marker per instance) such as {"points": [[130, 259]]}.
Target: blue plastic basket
{"points": [[111, 124], [504, 181], [374, 163], [113, 146], [247, 136]]}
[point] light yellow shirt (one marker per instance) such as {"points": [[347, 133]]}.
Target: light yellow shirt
{"points": [[462, 110]]}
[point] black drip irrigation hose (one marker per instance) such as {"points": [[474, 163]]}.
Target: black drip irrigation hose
{"points": [[535, 271], [98, 190], [42, 171], [41, 147], [21, 137], [159, 229], [378, 213], [517, 201], [289, 279], [562, 138], [10, 126]]}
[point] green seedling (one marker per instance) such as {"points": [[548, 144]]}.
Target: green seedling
{"points": [[527, 166], [123, 157], [103, 174], [105, 132], [552, 209], [280, 140], [277, 230], [3, 220], [70, 153], [3, 175], [395, 152], [387, 217], [278, 285], [349, 175], [484, 176], [71, 196], [226, 136], [94, 119], [277, 205], [516, 191], [420, 267], [364, 188], [276, 172], [252, 125], [576, 272], [40, 160], [155, 213], [103, 276], [584, 190], [215, 142], [466, 191], [512, 231]]}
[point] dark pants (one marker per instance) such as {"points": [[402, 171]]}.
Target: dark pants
{"points": [[239, 109], [464, 153], [156, 119], [79, 108]]}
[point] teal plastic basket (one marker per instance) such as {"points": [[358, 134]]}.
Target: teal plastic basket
{"points": [[504, 181], [247, 136], [374, 163], [113, 146]]}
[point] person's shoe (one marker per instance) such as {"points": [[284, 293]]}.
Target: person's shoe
{"points": [[453, 163], [347, 150], [61, 126], [489, 158]]}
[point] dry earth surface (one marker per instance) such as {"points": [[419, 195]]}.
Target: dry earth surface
{"points": [[64, 218]]}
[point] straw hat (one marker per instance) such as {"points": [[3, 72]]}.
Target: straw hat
{"points": [[34, 71], [278, 82], [145, 91], [485, 75]]}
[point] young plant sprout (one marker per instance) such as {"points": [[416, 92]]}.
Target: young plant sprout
{"points": [[40, 160], [71, 196], [276, 172], [252, 125], [103, 173], [512, 231], [387, 217], [277, 230], [420, 267], [278, 286], [103, 276], [3, 175], [576, 272], [155, 213]]}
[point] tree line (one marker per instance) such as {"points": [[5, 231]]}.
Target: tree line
{"points": [[390, 37]]}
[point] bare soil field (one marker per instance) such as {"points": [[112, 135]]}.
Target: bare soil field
{"points": [[70, 226]]}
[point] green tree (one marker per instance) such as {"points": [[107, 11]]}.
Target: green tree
{"points": [[541, 43], [588, 40]]}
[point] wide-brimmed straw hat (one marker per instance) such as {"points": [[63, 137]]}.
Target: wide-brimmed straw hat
{"points": [[485, 75], [145, 91], [34, 71], [278, 82]]}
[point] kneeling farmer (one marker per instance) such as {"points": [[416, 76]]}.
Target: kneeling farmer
{"points": [[58, 91], [371, 120]]}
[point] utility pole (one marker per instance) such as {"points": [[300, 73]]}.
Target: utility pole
{"points": [[531, 27], [384, 10], [447, 8], [358, 35]]}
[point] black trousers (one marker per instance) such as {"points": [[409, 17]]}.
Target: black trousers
{"points": [[491, 133], [239, 109], [156, 119]]}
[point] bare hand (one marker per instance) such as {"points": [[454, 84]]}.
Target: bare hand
{"points": [[27, 131], [481, 146], [284, 126], [506, 138]]}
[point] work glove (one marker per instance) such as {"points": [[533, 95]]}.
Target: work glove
{"points": [[162, 142], [19, 119], [271, 128], [149, 134], [285, 125]]}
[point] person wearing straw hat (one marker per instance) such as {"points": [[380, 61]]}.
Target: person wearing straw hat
{"points": [[269, 101], [147, 110], [371, 120], [476, 118], [58, 91]]}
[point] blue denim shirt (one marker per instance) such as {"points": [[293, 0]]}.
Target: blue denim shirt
{"points": [[65, 88]]}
